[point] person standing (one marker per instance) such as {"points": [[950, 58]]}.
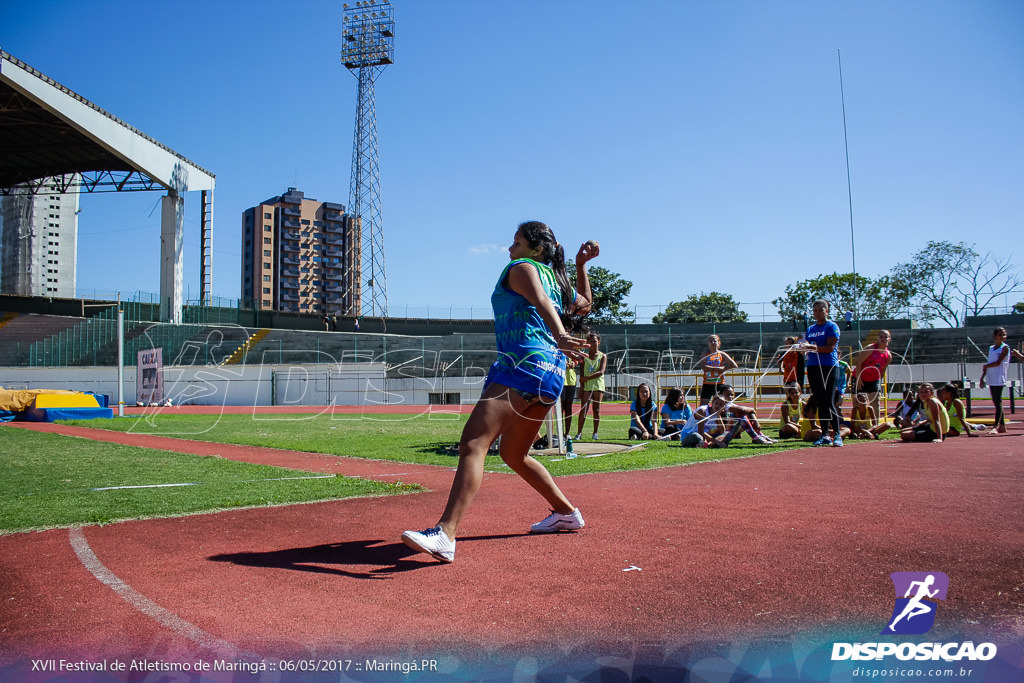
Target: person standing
{"points": [[714, 366], [871, 364], [822, 351], [788, 361], [994, 374], [592, 383], [569, 393], [842, 379], [531, 301], [801, 363]]}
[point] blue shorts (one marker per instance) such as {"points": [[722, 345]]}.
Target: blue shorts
{"points": [[548, 387]]}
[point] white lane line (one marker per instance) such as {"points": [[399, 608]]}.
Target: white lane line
{"points": [[142, 486], [147, 606], [199, 483]]}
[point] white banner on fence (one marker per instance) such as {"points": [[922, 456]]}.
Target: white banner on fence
{"points": [[150, 376]]}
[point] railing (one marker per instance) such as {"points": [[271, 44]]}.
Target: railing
{"points": [[89, 341], [84, 341], [168, 336]]}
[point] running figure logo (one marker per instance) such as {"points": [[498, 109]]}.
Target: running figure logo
{"points": [[914, 612]]}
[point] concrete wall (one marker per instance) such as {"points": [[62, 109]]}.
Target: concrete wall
{"points": [[258, 385], [366, 384]]}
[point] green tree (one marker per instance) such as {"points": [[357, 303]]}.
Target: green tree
{"points": [[952, 281], [880, 299], [610, 292], [714, 307]]}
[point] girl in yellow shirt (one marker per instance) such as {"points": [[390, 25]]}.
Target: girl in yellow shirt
{"points": [[792, 408], [591, 383], [864, 422], [936, 423]]}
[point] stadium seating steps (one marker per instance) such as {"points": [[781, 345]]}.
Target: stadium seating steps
{"points": [[465, 353]]}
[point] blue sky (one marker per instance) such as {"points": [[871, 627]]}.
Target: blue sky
{"points": [[700, 142]]}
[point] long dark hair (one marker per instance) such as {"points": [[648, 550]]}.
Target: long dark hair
{"points": [[644, 408], [539, 236], [674, 394]]}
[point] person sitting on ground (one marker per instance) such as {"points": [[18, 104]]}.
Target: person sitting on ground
{"points": [[809, 430], [674, 414], [736, 411], [643, 413], [792, 406], [958, 424], [864, 423], [714, 365], [707, 427], [741, 418], [907, 410], [934, 425]]}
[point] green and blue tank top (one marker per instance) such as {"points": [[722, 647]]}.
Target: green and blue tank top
{"points": [[525, 344]]}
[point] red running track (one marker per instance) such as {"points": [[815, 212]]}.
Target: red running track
{"points": [[783, 547]]}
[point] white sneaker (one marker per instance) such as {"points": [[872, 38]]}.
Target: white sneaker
{"points": [[595, 436], [434, 542], [762, 440], [556, 521]]}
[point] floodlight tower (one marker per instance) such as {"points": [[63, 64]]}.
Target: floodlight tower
{"points": [[368, 34]]}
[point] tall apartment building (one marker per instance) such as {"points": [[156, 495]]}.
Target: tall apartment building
{"points": [[39, 244], [300, 255]]}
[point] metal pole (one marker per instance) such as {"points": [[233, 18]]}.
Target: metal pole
{"points": [[559, 421], [120, 357], [849, 192]]}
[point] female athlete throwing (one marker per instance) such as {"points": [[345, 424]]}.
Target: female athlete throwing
{"points": [[530, 301]]}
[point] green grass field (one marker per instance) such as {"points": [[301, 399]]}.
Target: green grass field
{"points": [[424, 439], [49, 478]]}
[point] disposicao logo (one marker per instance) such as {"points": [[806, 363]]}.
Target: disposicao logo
{"points": [[914, 614], [915, 608]]}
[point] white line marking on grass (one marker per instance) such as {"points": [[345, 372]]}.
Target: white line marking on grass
{"points": [[142, 486], [199, 483], [147, 606], [312, 476]]}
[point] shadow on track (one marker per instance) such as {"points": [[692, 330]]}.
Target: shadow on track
{"points": [[384, 558]]}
